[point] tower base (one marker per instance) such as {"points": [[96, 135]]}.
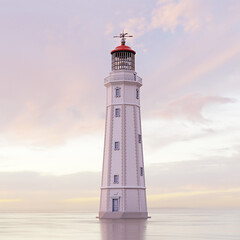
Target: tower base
{"points": [[123, 215]]}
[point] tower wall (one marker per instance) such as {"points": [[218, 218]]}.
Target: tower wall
{"points": [[123, 193]]}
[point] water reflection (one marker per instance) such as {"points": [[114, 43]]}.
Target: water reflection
{"points": [[127, 229]]}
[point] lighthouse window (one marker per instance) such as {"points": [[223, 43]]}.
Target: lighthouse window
{"points": [[116, 145], [139, 138], [117, 112], [115, 205], [116, 179], [137, 93], [118, 92], [134, 76], [141, 171]]}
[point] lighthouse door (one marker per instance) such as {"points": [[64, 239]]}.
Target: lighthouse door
{"points": [[115, 205]]}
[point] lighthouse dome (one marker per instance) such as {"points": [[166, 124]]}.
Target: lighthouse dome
{"points": [[123, 48]]}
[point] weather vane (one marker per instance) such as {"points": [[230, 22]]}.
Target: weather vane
{"points": [[123, 37]]}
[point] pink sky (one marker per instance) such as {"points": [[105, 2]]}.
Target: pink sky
{"points": [[54, 57]]}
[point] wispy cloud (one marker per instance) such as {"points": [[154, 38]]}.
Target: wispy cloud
{"points": [[45, 101], [197, 199], [9, 200], [109, 28], [170, 14], [31, 190], [192, 193], [190, 106], [51, 94], [210, 63], [167, 184]]}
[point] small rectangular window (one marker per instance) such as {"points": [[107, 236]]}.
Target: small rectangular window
{"points": [[118, 92], [141, 171], [116, 179], [139, 138], [117, 112], [115, 205], [116, 145], [137, 93], [134, 76]]}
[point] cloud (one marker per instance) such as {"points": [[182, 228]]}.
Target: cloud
{"points": [[137, 26], [204, 60], [9, 200], [194, 193], [33, 181], [170, 14], [51, 83], [208, 174], [51, 89], [195, 183], [210, 63], [43, 101], [197, 199], [109, 28], [168, 185], [31, 190], [190, 107]]}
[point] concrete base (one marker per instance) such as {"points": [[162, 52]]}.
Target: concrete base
{"points": [[123, 215]]}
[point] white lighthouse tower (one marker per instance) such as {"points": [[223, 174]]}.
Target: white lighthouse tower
{"points": [[123, 191]]}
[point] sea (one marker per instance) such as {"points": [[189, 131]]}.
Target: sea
{"points": [[164, 224]]}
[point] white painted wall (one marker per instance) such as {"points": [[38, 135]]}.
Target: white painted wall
{"points": [[127, 161]]}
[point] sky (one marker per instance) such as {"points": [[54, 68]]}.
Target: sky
{"points": [[54, 57]]}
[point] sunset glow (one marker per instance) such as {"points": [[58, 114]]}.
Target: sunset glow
{"points": [[54, 57]]}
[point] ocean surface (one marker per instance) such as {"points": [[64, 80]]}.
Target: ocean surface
{"points": [[164, 224]]}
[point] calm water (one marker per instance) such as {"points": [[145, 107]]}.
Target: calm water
{"points": [[164, 225]]}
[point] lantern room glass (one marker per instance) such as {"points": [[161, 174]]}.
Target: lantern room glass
{"points": [[123, 60]]}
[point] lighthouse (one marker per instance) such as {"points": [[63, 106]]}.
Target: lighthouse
{"points": [[123, 191]]}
